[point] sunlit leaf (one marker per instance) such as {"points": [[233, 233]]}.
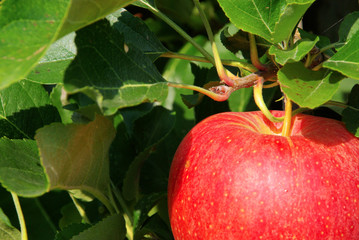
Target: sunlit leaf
{"points": [[346, 60], [295, 53], [308, 88], [272, 20]]}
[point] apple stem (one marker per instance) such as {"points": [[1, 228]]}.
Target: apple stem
{"points": [[258, 98], [218, 93], [287, 123], [254, 53]]}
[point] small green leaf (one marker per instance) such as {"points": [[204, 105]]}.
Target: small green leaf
{"points": [[71, 230], [295, 54], [110, 228], [272, 20], [112, 73], [346, 60], [20, 169], [8, 232], [75, 156], [70, 215], [308, 88]]}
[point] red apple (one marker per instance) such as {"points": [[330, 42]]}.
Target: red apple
{"points": [[235, 177]]}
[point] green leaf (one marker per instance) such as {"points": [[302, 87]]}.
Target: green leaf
{"points": [[52, 66], [27, 30], [349, 27], [25, 107], [75, 156], [8, 232], [20, 169], [136, 32], [112, 73], [110, 228], [295, 54], [346, 60], [272, 20], [308, 88]]}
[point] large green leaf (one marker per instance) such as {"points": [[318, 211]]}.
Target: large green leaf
{"points": [[28, 28], [75, 156], [273, 20], [20, 169], [112, 73], [25, 107], [306, 87], [295, 53], [346, 60]]}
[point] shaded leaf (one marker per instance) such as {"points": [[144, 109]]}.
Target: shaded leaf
{"points": [[70, 215], [148, 132], [113, 74], [272, 20], [308, 88], [346, 60], [349, 26], [351, 113], [295, 54], [71, 230], [110, 228], [136, 32], [20, 168], [25, 107], [322, 43], [75, 156]]}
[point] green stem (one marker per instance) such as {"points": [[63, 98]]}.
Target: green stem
{"points": [[46, 216], [180, 31], [254, 53], [20, 215], [232, 63], [225, 75], [127, 213], [80, 209], [258, 98]]}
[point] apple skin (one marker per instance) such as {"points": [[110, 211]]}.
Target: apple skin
{"points": [[235, 177]]}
